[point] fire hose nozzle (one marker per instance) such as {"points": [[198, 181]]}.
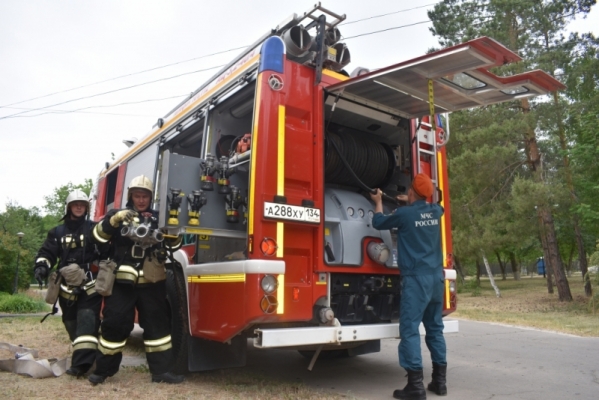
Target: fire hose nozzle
{"points": [[141, 231]]}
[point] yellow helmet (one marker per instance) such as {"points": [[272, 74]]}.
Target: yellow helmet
{"points": [[140, 182]]}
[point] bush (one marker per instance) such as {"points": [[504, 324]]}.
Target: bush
{"points": [[20, 303]]}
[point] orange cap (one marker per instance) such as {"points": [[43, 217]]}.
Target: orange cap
{"points": [[422, 185]]}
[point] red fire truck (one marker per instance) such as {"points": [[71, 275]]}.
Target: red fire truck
{"points": [[266, 169]]}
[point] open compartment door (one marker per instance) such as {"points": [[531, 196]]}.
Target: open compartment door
{"points": [[461, 79]]}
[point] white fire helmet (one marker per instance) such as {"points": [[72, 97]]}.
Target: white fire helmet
{"points": [[76, 195], [140, 182]]}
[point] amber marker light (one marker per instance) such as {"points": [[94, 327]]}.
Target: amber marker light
{"points": [[269, 304], [268, 246]]}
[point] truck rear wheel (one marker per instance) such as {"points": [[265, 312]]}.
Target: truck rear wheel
{"points": [[176, 294]]}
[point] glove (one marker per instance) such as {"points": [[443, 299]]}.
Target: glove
{"points": [[40, 272], [122, 216]]}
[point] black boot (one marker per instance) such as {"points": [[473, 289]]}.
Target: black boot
{"points": [[167, 377], [439, 383], [75, 371], [414, 390], [95, 379]]}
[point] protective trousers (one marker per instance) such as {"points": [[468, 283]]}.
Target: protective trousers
{"points": [[119, 314], [421, 301], [81, 318]]}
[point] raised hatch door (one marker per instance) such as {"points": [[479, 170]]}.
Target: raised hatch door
{"points": [[460, 76]]}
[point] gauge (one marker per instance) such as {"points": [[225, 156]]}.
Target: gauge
{"points": [[350, 211], [370, 213], [361, 213]]}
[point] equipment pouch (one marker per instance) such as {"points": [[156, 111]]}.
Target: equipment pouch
{"points": [[53, 287], [154, 269], [106, 277], [73, 275]]}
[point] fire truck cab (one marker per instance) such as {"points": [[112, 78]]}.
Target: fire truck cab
{"points": [[266, 170]]}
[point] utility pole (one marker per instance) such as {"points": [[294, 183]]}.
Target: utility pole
{"points": [[20, 235]]}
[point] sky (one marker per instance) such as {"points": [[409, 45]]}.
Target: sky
{"points": [[78, 73]]}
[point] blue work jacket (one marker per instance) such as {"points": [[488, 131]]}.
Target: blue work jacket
{"points": [[418, 237]]}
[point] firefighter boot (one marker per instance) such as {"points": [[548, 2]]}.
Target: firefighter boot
{"points": [[75, 371], [95, 379], [414, 390], [438, 385], [167, 377]]}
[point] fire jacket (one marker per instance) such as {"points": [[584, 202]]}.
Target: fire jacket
{"points": [[70, 241]]}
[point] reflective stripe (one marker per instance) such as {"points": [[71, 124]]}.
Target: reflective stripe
{"points": [[90, 287], [66, 293], [127, 273], [69, 240], [85, 342], [110, 348], [42, 259], [100, 235], [176, 243], [68, 296], [156, 345]]}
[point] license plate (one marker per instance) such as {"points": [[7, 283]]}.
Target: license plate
{"points": [[292, 213]]}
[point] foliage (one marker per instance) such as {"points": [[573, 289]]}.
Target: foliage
{"points": [[13, 220], [497, 182], [20, 304], [35, 227]]}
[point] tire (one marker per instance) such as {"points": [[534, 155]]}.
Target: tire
{"points": [[176, 294]]}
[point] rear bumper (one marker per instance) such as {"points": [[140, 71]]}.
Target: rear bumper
{"points": [[335, 335]]}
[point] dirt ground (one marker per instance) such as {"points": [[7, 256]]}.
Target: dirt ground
{"points": [[51, 341]]}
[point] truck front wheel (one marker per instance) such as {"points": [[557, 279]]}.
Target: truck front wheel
{"points": [[177, 297]]}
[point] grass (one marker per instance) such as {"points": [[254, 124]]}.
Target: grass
{"points": [[22, 303], [52, 341], [527, 303]]}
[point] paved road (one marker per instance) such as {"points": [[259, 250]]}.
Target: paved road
{"points": [[486, 361]]}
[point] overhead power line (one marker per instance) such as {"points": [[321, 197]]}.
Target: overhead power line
{"points": [[384, 15], [100, 106], [20, 114], [122, 76], [385, 30], [110, 91]]}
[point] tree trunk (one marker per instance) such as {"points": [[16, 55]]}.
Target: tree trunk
{"points": [[490, 273], [582, 259], [547, 226], [569, 267], [501, 266], [458, 267], [478, 272], [582, 254], [515, 269], [545, 257], [554, 260]]}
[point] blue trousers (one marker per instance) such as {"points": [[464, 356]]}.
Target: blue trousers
{"points": [[421, 301]]}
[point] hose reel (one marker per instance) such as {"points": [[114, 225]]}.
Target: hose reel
{"points": [[371, 162]]}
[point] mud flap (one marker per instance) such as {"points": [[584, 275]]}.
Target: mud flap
{"points": [[207, 355]]}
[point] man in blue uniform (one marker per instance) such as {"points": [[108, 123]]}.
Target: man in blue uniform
{"points": [[421, 267]]}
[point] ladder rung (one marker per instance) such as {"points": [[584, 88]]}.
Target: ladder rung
{"points": [[426, 152]]}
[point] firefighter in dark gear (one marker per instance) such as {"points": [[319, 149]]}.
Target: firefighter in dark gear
{"points": [[421, 267], [70, 247], [133, 290]]}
